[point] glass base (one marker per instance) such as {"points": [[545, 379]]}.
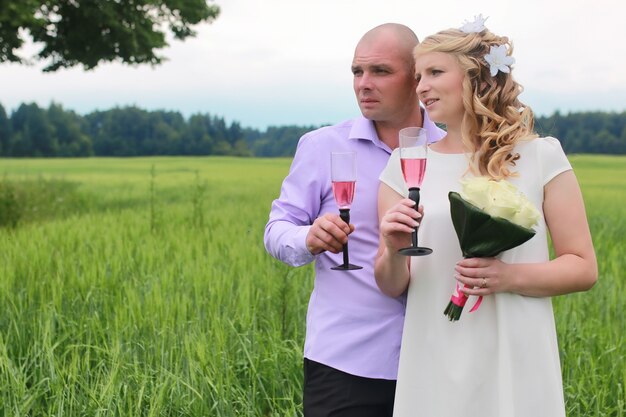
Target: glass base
{"points": [[415, 251], [344, 267]]}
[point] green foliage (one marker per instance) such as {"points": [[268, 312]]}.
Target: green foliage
{"points": [[68, 128], [38, 199], [101, 317], [131, 131], [5, 131], [279, 140], [15, 15], [91, 32], [32, 132], [591, 325], [589, 132], [198, 198], [10, 210]]}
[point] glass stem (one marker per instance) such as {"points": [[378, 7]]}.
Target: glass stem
{"points": [[345, 216], [414, 194]]}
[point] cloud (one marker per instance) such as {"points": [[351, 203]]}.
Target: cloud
{"points": [[285, 62]]}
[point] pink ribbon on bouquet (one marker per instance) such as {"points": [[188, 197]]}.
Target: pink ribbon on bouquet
{"points": [[459, 298]]}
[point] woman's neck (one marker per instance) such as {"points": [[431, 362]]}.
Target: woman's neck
{"points": [[451, 143]]}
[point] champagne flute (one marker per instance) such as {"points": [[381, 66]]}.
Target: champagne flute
{"points": [[343, 177], [413, 151]]}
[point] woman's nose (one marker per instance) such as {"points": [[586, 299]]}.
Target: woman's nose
{"points": [[422, 86]]}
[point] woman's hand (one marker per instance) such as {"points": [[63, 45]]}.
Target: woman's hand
{"points": [[398, 223], [397, 217], [483, 276], [574, 267]]}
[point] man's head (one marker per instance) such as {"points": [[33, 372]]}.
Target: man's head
{"points": [[383, 69]]}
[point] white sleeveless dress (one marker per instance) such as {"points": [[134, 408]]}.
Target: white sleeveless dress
{"points": [[501, 360]]}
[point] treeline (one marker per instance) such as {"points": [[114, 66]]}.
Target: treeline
{"points": [[32, 131], [587, 132]]}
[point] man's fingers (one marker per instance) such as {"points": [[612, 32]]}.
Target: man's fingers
{"points": [[328, 233], [336, 227]]}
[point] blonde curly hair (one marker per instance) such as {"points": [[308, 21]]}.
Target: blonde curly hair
{"points": [[494, 120]]}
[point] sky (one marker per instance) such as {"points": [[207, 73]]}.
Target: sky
{"points": [[287, 62]]}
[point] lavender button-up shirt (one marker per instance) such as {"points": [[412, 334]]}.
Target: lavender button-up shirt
{"points": [[351, 325]]}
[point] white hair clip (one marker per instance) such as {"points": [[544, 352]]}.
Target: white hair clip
{"points": [[478, 25]]}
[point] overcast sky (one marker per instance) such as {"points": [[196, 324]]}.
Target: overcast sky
{"points": [[279, 62]]}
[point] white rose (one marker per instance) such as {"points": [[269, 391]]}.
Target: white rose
{"points": [[476, 191], [500, 199], [527, 216], [503, 202], [504, 187]]}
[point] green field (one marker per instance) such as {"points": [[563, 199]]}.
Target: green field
{"points": [[140, 287]]}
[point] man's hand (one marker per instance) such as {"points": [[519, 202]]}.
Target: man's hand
{"points": [[328, 232]]}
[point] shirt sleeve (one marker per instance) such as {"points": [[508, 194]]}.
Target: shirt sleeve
{"points": [[298, 205], [553, 159], [392, 174]]}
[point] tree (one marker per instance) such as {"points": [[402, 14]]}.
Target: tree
{"points": [[32, 132], [5, 132], [88, 32], [162, 134], [197, 140], [68, 133], [120, 132]]}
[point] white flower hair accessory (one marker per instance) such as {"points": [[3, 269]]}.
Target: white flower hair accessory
{"points": [[478, 25], [498, 60]]}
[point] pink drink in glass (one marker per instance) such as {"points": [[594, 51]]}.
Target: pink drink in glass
{"points": [[344, 193], [413, 170]]}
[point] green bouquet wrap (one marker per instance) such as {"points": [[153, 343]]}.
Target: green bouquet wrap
{"points": [[482, 235]]}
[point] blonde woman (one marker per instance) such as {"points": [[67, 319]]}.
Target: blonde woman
{"points": [[503, 359]]}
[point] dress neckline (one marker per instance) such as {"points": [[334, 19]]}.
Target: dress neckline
{"points": [[431, 150]]}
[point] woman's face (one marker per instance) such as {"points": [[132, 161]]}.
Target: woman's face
{"points": [[440, 87]]}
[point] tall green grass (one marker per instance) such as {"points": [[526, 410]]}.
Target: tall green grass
{"points": [[591, 325], [146, 291], [130, 306]]}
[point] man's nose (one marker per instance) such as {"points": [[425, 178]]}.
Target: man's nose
{"points": [[365, 81]]}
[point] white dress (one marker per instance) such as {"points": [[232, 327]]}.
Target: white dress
{"points": [[501, 360]]}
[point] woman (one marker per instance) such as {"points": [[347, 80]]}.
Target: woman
{"points": [[503, 359]]}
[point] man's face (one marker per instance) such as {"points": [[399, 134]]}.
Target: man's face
{"points": [[384, 84]]}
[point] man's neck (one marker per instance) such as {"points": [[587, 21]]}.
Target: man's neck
{"points": [[389, 132]]}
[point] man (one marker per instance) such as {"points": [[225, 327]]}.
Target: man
{"points": [[353, 333]]}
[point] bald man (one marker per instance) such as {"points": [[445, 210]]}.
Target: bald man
{"points": [[354, 331]]}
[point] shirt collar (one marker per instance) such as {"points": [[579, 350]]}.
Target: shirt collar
{"points": [[363, 128]]}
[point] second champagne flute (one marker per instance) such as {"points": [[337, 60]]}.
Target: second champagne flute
{"points": [[413, 151], [343, 177]]}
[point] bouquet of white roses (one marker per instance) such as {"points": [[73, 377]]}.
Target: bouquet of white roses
{"points": [[489, 217]]}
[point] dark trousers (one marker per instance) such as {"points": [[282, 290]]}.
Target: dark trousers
{"points": [[329, 392]]}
